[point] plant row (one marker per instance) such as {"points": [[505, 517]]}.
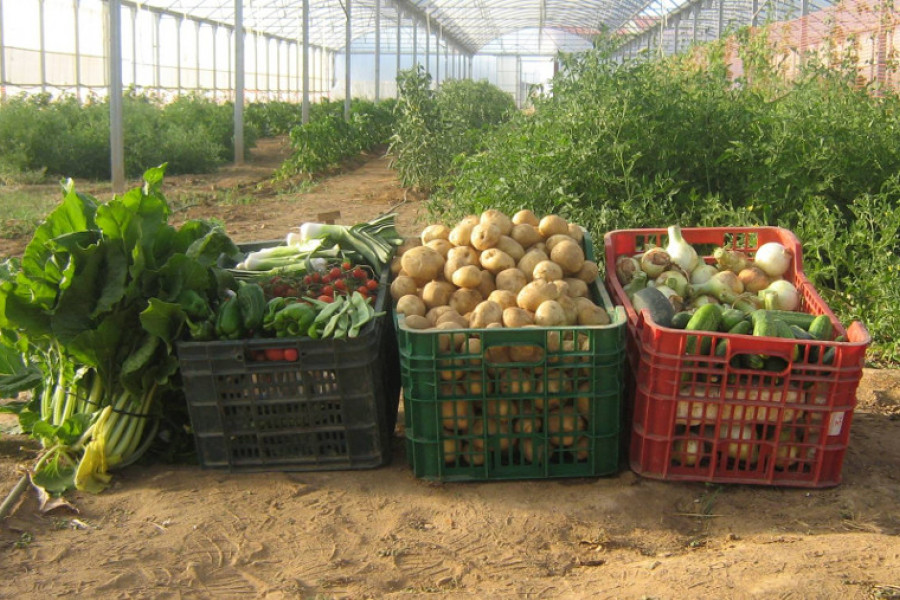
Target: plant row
{"points": [[67, 138], [680, 140]]}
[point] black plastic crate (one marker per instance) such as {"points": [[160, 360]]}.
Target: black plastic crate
{"points": [[334, 408]]}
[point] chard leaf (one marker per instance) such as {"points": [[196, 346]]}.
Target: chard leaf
{"points": [[165, 320], [56, 474]]}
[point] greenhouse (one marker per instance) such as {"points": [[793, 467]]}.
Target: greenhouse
{"points": [[449, 299]]}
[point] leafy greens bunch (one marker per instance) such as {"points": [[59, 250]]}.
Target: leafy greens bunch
{"points": [[89, 317]]}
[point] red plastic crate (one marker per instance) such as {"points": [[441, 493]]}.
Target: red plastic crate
{"points": [[702, 417]]}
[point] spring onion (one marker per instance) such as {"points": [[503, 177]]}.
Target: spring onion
{"points": [[680, 251]]}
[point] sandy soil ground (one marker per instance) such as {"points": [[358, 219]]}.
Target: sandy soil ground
{"points": [[182, 532]]}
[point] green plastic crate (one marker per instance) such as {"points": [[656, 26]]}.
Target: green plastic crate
{"points": [[553, 410]]}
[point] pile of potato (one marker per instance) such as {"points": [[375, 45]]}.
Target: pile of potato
{"points": [[495, 271]]}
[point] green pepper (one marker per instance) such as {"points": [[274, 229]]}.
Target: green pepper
{"points": [[229, 324]]}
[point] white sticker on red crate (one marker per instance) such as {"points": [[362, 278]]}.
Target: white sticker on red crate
{"points": [[836, 423]]}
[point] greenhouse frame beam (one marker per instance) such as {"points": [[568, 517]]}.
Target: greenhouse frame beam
{"points": [[304, 109], [116, 132], [238, 82], [377, 50], [2, 57]]}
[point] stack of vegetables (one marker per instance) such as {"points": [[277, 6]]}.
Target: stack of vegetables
{"points": [[320, 282], [500, 340], [733, 293], [89, 318]]}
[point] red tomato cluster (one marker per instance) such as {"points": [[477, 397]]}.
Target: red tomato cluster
{"points": [[342, 279], [276, 354]]}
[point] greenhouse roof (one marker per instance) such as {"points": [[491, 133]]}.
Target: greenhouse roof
{"points": [[469, 25]]}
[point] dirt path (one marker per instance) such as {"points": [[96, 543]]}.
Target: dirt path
{"points": [[182, 532]]}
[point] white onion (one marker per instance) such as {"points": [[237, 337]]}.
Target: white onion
{"points": [[702, 273], [781, 295], [773, 258], [681, 253]]}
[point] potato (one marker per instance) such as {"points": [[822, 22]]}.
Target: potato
{"points": [[568, 255], [494, 428], [535, 293], [547, 269], [461, 235], [487, 284], [503, 408], [517, 381], [517, 317], [458, 257], [435, 232], [441, 245], [511, 279], [551, 225], [504, 298], [411, 304], [592, 315], [530, 261], [448, 342], [493, 216], [526, 353], [422, 264], [484, 236], [471, 346], [525, 235], [550, 314], [456, 414], [473, 384], [395, 265], [511, 247], [435, 313], [561, 286], [416, 322], [407, 244], [576, 233], [526, 217], [569, 308], [403, 285], [560, 422], [496, 260], [451, 316], [589, 272], [437, 293], [577, 288], [555, 239], [453, 447], [486, 312], [465, 300], [468, 276]]}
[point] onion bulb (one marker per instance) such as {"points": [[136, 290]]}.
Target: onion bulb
{"points": [[773, 258], [731, 260], [702, 273], [654, 261], [780, 295], [626, 267], [724, 285], [754, 279], [681, 253]]}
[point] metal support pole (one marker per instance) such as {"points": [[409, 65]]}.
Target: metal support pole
{"points": [[179, 22], [471, 67], [215, 65], [197, 53], [116, 133], [348, 42], [304, 111], [676, 28], [43, 50], [428, 45], [446, 59], [238, 82], [697, 10], [399, 40], [377, 50], [3, 56], [754, 13], [415, 44], [721, 24], [76, 5], [437, 58], [157, 68], [134, 46]]}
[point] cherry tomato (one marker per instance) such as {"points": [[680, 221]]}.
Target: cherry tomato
{"points": [[359, 273], [341, 285], [327, 278], [316, 277], [258, 355], [372, 284], [363, 290], [346, 266], [291, 354], [307, 279], [335, 272], [328, 290], [274, 353], [325, 299]]}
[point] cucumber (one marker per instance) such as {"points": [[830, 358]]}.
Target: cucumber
{"points": [[730, 318], [793, 317], [821, 328], [661, 310], [681, 319], [706, 318]]}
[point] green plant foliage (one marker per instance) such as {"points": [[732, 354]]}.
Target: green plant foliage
{"points": [[328, 138], [68, 138], [659, 141], [434, 129]]}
